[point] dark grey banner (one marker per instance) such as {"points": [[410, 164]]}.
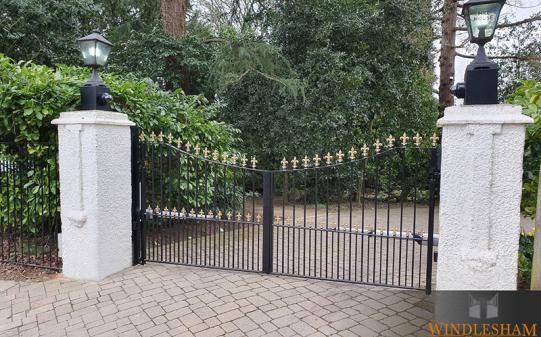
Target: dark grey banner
{"points": [[478, 313]]}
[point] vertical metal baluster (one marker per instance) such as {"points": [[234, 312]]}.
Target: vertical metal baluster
{"points": [[327, 226], [162, 203], [284, 196], [288, 229], [434, 176], [235, 223], [351, 189], [207, 211], [363, 191], [257, 225], [389, 191], [196, 237], [244, 215], [215, 224], [142, 215], [339, 215], [227, 221], [375, 218], [268, 208], [416, 183], [405, 192], [407, 251], [304, 228], [316, 170], [381, 235], [3, 226], [170, 204], [294, 216], [8, 199]]}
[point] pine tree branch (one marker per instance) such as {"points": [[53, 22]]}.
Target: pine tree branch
{"points": [[505, 57]]}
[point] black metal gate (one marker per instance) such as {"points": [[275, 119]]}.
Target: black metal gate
{"points": [[363, 217]]}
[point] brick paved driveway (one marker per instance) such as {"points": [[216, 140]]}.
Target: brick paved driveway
{"points": [[165, 300]]}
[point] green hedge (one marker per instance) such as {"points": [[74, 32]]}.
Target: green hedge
{"points": [[528, 96], [31, 96]]}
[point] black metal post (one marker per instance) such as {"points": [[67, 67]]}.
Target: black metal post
{"points": [[434, 178], [268, 215], [136, 197]]}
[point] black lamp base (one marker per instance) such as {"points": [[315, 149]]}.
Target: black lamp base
{"points": [[95, 97], [481, 86]]}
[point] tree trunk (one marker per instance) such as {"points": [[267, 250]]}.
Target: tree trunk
{"points": [[536, 263], [447, 55], [173, 14]]}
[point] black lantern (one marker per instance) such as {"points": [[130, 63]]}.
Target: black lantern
{"points": [[481, 79], [95, 51]]}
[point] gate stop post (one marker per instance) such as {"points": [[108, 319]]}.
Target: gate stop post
{"points": [[95, 193], [481, 187]]}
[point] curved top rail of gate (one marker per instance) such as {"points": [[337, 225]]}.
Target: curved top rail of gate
{"points": [[329, 160]]}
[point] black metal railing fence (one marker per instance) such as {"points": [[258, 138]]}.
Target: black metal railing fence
{"points": [[29, 204]]}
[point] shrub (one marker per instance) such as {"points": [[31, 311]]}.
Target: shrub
{"points": [[528, 96], [31, 96], [525, 259]]}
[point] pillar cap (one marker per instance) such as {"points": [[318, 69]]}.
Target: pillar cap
{"points": [[93, 117], [484, 114]]}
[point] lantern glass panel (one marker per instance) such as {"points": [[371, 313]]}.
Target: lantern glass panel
{"points": [[482, 20], [95, 53]]}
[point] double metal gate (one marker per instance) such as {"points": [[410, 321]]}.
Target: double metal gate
{"points": [[363, 216]]}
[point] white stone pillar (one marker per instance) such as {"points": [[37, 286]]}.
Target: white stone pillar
{"points": [[95, 193], [481, 186]]}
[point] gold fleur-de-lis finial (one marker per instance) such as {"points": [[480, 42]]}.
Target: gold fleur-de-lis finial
{"points": [[328, 158], [248, 217], [434, 139], [390, 141], [306, 162], [277, 219], [202, 213], [183, 210], [216, 155], [206, 153], [192, 212], [234, 158], [377, 146], [160, 136], [142, 136], [152, 136], [225, 156], [316, 160], [295, 162], [418, 139], [170, 138], [258, 218], [188, 146], [210, 214], [404, 139], [197, 149], [157, 209], [365, 150], [243, 160], [340, 155], [284, 163], [174, 210], [352, 153], [254, 162], [179, 143], [229, 215], [219, 215], [166, 209], [239, 216]]}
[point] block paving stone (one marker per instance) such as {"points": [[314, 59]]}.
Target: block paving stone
{"points": [[167, 300]]}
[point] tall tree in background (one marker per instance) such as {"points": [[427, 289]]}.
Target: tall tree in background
{"points": [[173, 15], [447, 53]]}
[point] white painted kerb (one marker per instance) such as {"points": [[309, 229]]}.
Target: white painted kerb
{"points": [[95, 193], [481, 186]]}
